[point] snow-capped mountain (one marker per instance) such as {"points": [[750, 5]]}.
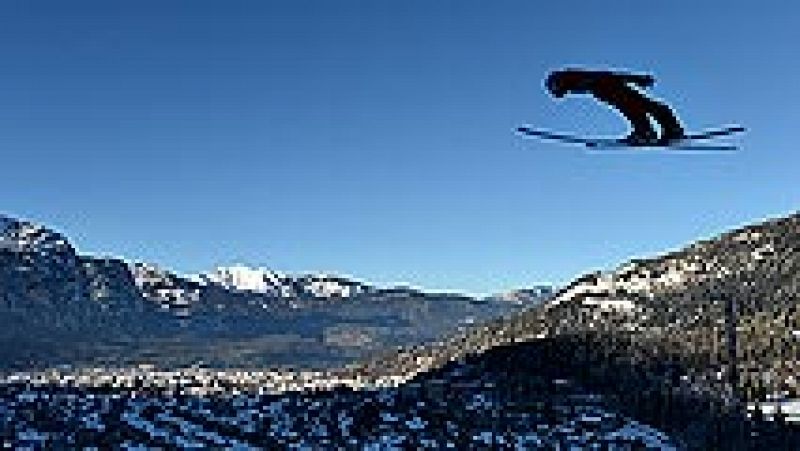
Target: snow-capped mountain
{"points": [[529, 296], [60, 307], [38, 265], [717, 318], [246, 279], [277, 284]]}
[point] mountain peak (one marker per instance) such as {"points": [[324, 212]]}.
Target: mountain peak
{"points": [[243, 278]]}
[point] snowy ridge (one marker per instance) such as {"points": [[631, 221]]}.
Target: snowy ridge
{"points": [[243, 278], [277, 284], [329, 286], [534, 295], [39, 265], [21, 236], [170, 291]]}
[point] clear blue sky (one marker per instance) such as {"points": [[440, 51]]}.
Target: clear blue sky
{"points": [[374, 138]]}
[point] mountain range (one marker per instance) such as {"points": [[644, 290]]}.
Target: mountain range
{"points": [[701, 343], [40, 266], [103, 309]]}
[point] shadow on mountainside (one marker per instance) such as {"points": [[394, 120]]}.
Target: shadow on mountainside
{"points": [[649, 392], [546, 393]]}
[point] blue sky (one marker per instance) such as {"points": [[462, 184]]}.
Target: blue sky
{"points": [[374, 138]]}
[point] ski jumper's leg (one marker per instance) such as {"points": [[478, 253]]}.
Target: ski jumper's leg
{"points": [[671, 129], [631, 104]]}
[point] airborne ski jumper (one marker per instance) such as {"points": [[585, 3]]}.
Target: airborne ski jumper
{"points": [[617, 90], [623, 91]]}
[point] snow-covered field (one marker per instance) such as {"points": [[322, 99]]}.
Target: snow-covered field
{"points": [[789, 408], [456, 410]]}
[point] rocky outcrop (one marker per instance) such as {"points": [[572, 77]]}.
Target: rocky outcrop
{"points": [[37, 266]]}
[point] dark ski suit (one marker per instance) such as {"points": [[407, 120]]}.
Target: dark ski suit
{"points": [[614, 89]]}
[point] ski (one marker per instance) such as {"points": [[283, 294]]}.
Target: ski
{"points": [[564, 137], [687, 143], [712, 133], [685, 146]]}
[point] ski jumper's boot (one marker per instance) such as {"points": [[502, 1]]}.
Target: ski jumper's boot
{"points": [[671, 130]]}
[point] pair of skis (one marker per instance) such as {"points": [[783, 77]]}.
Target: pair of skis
{"points": [[692, 142]]}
